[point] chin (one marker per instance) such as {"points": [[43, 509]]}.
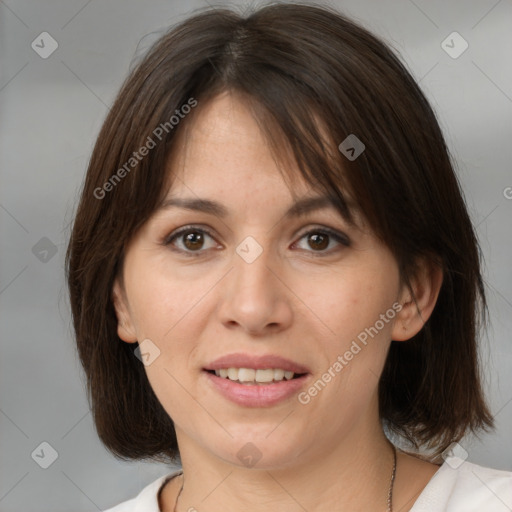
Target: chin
{"points": [[262, 451]]}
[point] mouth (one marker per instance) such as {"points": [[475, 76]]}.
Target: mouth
{"points": [[255, 377], [244, 389], [256, 381], [246, 363]]}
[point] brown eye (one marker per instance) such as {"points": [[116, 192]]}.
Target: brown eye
{"points": [[193, 240], [189, 241], [318, 241]]}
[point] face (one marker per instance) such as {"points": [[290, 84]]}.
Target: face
{"points": [[260, 285]]}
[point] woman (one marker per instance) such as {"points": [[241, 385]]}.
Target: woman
{"points": [[272, 271]]}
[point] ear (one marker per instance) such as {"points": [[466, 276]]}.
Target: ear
{"points": [[418, 306], [125, 327]]}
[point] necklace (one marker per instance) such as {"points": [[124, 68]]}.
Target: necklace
{"points": [[390, 492], [393, 474], [179, 494]]}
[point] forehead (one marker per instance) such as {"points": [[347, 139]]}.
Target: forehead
{"points": [[222, 155], [222, 143]]}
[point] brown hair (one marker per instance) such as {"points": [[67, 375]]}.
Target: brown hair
{"points": [[302, 68]]}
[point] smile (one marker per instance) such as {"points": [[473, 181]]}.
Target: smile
{"points": [[252, 376], [252, 393]]}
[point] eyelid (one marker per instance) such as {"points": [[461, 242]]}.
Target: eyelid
{"points": [[338, 236], [189, 227]]}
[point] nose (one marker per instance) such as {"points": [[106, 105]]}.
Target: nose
{"points": [[255, 297]]}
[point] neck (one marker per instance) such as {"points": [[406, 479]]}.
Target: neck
{"points": [[355, 476]]}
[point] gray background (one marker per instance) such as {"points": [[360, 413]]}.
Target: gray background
{"points": [[51, 110]]}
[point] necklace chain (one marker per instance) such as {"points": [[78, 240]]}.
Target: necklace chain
{"points": [[179, 494], [390, 492], [393, 474]]}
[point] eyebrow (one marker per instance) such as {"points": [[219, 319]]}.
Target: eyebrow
{"points": [[300, 208]]}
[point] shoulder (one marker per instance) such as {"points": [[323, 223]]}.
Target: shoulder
{"points": [[461, 486], [147, 499]]}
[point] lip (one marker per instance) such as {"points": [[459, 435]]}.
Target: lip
{"points": [[256, 395], [263, 362]]}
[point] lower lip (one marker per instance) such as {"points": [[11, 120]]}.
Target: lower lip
{"points": [[256, 395]]}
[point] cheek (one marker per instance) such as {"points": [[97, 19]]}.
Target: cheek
{"points": [[353, 302], [162, 300]]}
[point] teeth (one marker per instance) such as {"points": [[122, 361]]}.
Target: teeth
{"points": [[251, 375]]}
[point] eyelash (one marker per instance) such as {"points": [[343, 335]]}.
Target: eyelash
{"points": [[337, 236]]}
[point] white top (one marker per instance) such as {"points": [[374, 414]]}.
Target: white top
{"points": [[457, 486]]}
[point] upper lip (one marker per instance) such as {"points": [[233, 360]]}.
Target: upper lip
{"points": [[262, 362]]}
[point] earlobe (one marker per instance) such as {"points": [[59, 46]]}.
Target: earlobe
{"points": [[418, 306], [125, 328]]}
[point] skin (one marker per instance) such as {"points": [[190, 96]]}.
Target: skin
{"points": [[296, 300]]}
